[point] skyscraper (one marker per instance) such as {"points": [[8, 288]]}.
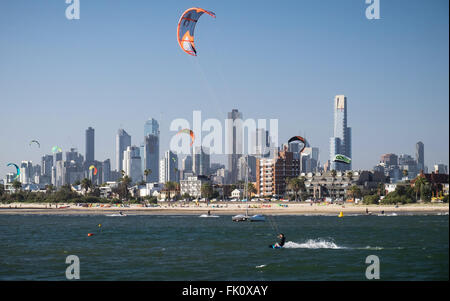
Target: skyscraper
{"points": [[47, 163], [168, 168], [150, 150], [123, 140], [234, 142], [106, 169], [132, 163], [90, 142], [420, 157], [186, 164], [340, 143], [151, 127], [151, 157], [201, 161]]}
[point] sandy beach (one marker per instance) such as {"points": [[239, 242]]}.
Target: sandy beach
{"points": [[223, 208]]}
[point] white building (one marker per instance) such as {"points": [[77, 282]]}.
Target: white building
{"points": [[132, 165], [237, 194], [168, 168], [150, 189], [193, 186]]}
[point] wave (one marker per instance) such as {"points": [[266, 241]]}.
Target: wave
{"points": [[260, 266], [313, 244]]}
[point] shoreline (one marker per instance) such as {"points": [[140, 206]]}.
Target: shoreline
{"points": [[227, 208]]}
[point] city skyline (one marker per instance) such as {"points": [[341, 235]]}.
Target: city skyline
{"points": [[395, 75]]}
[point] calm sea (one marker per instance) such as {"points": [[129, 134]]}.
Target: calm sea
{"points": [[150, 247]]}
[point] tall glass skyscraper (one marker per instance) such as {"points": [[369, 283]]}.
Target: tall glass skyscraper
{"points": [[420, 157], [123, 140], [151, 127], [90, 150], [341, 142], [150, 150], [234, 142]]}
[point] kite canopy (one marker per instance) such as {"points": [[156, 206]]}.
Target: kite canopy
{"points": [[35, 141], [17, 169], [94, 168], [56, 149], [186, 26], [342, 158], [301, 139], [190, 133]]}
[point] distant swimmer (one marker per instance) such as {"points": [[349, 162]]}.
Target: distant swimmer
{"points": [[281, 241]]}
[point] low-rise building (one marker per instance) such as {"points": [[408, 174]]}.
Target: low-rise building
{"points": [[193, 185]]}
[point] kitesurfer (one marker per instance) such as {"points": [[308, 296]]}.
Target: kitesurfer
{"points": [[281, 241]]}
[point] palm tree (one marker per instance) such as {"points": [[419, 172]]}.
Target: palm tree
{"points": [[381, 189], [86, 184], [333, 173], [207, 190], [49, 188], [296, 184], [251, 188], [419, 184], [354, 191], [125, 183], [147, 172], [350, 175], [405, 172]]}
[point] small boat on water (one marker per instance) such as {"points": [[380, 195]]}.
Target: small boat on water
{"points": [[240, 218], [257, 218], [208, 215]]}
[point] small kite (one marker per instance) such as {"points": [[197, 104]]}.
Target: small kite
{"points": [[94, 168], [186, 26], [17, 170], [301, 139], [35, 141], [342, 158], [191, 134], [56, 149]]}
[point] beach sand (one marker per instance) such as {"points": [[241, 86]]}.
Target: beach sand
{"points": [[224, 208]]}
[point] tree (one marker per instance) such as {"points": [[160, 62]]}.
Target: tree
{"points": [[333, 174], [296, 185], [147, 172], [405, 172], [207, 190], [354, 191], [350, 175], [86, 184], [49, 189], [380, 189], [419, 185], [251, 188], [16, 185]]}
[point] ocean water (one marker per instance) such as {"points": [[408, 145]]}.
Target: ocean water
{"points": [[175, 247]]}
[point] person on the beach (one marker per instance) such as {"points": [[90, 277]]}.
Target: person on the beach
{"points": [[209, 212], [281, 240], [367, 211]]}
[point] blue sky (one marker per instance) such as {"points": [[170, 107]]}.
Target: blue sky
{"points": [[120, 64]]}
